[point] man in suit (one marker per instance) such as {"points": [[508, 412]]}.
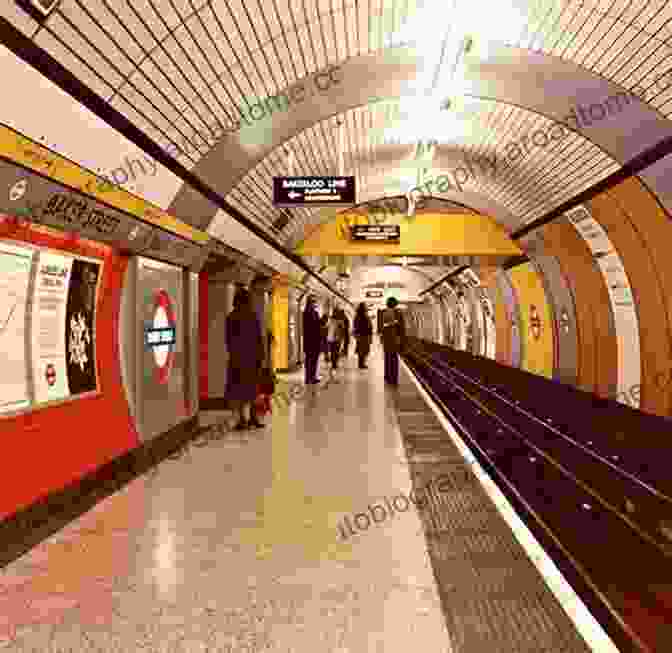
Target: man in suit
{"points": [[393, 335]]}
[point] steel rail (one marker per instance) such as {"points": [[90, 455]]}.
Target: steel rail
{"points": [[548, 531], [559, 466], [564, 436]]}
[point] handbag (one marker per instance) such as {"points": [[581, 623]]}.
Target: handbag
{"points": [[262, 404]]}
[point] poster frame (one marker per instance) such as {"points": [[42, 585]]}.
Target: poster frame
{"points": [[33, 404], [28, 325]]}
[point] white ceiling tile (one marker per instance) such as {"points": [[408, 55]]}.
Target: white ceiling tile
{"points": [[103, 87], [19, 18]]}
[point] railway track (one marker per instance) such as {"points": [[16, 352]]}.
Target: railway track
{"points": [[608, 520]]}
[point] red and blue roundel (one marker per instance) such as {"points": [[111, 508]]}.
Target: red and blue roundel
{"points": [[164, 318]]}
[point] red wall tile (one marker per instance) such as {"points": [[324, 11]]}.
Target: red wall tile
{"points": [[46, 449]]}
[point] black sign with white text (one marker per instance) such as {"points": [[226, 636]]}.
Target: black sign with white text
{"points": [[385, 232], [313, 191]]}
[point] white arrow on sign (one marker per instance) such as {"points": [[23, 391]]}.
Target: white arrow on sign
{"points": [[293, 195]]}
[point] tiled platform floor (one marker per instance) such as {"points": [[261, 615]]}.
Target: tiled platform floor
{"points": [[236, 547]]}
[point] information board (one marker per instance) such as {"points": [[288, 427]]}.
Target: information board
{"points": [[48, 328], [15, 267], [367, 232], [313, 191]]}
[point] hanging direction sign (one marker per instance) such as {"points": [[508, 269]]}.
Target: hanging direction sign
{"points": [[385, 233], [313, 191]]}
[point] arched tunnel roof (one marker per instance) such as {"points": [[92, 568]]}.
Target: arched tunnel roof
{"points": [[182, 71]]}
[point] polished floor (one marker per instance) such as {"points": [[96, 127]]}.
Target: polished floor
{"points": [[238, 546]]}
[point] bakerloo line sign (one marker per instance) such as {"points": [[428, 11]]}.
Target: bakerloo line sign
{"points": [[289, 192]]}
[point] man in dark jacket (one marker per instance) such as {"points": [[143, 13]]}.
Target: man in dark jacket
{"points": [[363, 331], [393, 335], [312, 340]]}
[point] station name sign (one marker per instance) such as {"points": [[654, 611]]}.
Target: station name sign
{"points": [[373, 294], [42, 201], [389, 233], [313, 191], [156, 337]]}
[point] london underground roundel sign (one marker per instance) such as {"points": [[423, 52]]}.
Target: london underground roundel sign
{"points": [[164, 318]]}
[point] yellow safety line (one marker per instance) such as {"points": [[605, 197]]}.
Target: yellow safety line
{"points": [[21, 150]]}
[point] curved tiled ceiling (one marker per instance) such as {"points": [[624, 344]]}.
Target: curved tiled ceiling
{"points": [[177, 67]]}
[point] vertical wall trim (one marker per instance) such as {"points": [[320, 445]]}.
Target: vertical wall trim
{"points": [[204, 332], [32, 280], [125, 330], [191, 342], [138, 337]]}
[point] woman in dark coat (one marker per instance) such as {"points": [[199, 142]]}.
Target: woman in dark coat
{"points": [[244, 342], [363, 331]]}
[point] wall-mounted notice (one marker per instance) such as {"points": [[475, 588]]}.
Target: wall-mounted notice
{"points": [[79, 327], [623, 309], [15, 266], [48, 337]]}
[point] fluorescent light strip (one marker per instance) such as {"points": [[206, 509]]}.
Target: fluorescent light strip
{"points": [[591, 631]]}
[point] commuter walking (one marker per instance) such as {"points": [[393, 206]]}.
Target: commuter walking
{"points": [[312, 340], [324, 340], [335, 337], [393, 335], [244, 342], [363, 332]]}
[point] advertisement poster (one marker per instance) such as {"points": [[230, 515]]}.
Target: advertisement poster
{"points": [[15, 267], [48, 330], [79, 327], [623, 309]]}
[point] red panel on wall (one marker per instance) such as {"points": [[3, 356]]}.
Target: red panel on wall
{"points": [[48, 448], [203, 330]]}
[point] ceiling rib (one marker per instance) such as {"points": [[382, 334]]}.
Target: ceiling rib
{"points": [[235, 52], [44, 63]]}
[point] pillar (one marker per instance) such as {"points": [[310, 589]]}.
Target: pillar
{"points": [[280, 316]]}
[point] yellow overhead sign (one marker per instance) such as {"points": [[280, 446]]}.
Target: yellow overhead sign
{"points": [[21, 150], [445, 234]]}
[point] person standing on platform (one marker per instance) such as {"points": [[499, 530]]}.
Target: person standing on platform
{"points": [[363, 332], [312, 340], [393, 335], [324, 340], [335, 337], [245, 344], [346, 334]]}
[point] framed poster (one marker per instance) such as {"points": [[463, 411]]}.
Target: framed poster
{"points": [[63, 326], [48, 329], [80, 327], [16, 263]]}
